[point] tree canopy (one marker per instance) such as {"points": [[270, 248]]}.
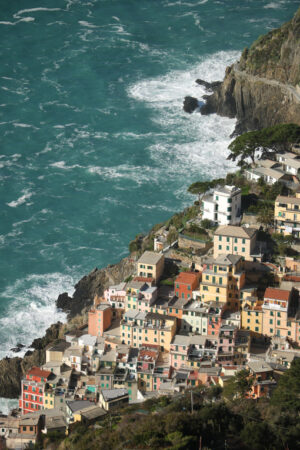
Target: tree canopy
{"points": [[268, 140]]}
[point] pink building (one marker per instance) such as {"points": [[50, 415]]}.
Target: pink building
{"points": [[226, 344], [179, 351], [99, 318]]}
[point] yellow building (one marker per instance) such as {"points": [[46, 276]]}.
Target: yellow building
{"points": [[49, 399], [151, 265], [222, 279], [234, 240], [138, 328], [252, 315], [287, 215]]}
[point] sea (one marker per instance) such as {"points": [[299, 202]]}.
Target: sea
{"points": [[95, 145]]}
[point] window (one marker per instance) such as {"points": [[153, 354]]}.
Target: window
{"points": [[227, 247], [278, 322], [220, 238], [228, 239], [256, 328], [243, 249], [235, 249], [271, 321], [220, 247]]}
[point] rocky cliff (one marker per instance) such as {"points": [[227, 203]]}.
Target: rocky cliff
{"points": [[91, 285], [13, 369], [94, 284], [263, 88]]}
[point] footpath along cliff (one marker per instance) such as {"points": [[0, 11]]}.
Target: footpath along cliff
{"points": [[263, 88]]}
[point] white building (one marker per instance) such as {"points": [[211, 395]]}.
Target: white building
{"points": [[223, 206], [290, 162]]}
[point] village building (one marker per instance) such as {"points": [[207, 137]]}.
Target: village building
{"points": [[185, 283], [222, 279], [252, 315], [237, 241], [287, 215], [151, 265], [222, 206], [280, 312], [138, 328], [33, 388], [113, 398]]}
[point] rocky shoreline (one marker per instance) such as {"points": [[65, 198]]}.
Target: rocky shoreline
{"points": [[259, 93], [91, 285], [263, 88]]}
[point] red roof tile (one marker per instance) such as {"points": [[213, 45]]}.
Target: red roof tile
{"points": [[145, 279], [36, 371], [187, 277], [277, 294]]}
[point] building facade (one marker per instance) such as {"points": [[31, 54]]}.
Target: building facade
{"points": [[223, 206]]}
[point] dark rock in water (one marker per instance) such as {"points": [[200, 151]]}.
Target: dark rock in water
{"points": [[20, 345], [64, 302], [190, 104], [213, 85], [28, 353], [15, 349]]}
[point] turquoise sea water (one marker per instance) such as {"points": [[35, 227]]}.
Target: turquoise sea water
{"points": [[95, 146]]}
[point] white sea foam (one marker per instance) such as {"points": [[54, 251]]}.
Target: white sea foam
{"points": [[62, 165], [31, 308], [87, 24], [19, 14], [15, 203], [7, 404], [191, 144], [273, 5]]}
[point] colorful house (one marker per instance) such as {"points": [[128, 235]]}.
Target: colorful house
{"points": [[33, 388], [287, 215], [280, 309], [151, 265], [99, 319], [222, 279], [185, 283], [252, 315], [235, 240]]}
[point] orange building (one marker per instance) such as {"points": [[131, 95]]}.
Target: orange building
{"points": [[186, 283], [100, 318]]}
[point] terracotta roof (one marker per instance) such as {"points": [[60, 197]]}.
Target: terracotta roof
{"points": [[36, 371], [144, 279], [187, 277], [147, 355], [277, 294]]}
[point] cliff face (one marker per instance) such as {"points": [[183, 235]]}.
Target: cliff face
{"points": [[13, 369], [94, 284], [263, 88]]}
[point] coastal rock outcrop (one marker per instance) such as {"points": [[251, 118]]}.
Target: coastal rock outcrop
{"points": [[190, 104], [263, 88], [94, 284], [13, 369]]}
